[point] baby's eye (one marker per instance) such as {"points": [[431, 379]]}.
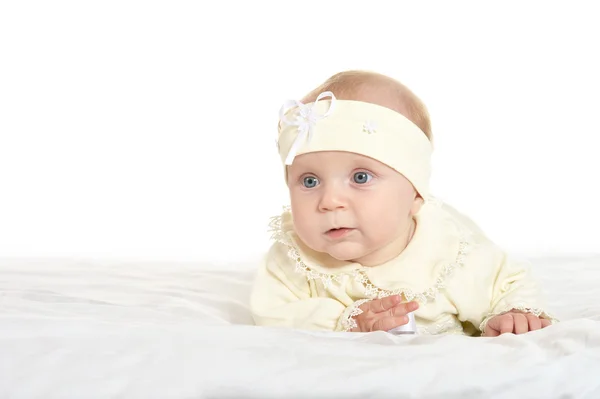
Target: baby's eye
{"points": [[310, 181], [362, 177]]}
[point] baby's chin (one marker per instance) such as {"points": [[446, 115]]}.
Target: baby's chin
{"points": [[337, 253], [347, 252]]}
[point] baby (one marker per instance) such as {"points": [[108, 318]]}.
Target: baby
{"points": [[364, 246]]}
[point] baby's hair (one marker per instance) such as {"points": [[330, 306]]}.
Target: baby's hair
{"points": [[378, 89]]}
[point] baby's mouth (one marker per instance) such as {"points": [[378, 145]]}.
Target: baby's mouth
{"points": [[338, 232]]}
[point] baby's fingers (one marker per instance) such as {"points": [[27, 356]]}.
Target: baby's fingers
{"points": [[545, 323], [382, 305], [520, 322], [535, 323], [388, 323], [403, 309], [503, 324]]}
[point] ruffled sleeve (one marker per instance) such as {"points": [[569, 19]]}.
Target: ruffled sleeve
{"points": [[281, 297], [492, 284]]}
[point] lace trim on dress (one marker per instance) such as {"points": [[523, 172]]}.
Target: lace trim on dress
{"points": [[371, 291], [347, 320]]}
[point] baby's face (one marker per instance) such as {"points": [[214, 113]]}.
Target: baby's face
{"points": [[350, 206]]}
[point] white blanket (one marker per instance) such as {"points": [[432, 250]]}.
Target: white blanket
{"points": [[81, 329]]}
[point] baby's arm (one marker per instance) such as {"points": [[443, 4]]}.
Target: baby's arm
{"points": [[494, 285], [282, 298], [516, 300]]}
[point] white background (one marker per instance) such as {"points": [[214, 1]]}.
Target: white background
{"points": [[146, 129]]}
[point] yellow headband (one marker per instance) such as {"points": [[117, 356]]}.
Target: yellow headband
{"points": [[358, 127]]}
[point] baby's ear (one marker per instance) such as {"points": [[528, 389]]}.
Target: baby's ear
{"points": [[417, 204]]}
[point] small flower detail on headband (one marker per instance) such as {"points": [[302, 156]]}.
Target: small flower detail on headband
{"points": [[370, 127], [306, 119]]}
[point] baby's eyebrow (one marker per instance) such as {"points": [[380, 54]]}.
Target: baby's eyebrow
{"points": [[364, 165]]}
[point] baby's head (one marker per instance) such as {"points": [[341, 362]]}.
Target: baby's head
{"points": [[357, 166], [375, 88]]}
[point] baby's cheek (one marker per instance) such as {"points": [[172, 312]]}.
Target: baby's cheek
{"points": [[306, 231], [381, 233]]}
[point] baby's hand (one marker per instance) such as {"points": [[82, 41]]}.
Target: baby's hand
{"points": [[514, 322], [383, 314]]}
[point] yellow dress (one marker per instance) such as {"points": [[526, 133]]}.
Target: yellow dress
{"points": [[459, 277]]}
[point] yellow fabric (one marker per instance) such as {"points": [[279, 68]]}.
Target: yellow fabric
{"points": [[362, 128], [456, 273]]}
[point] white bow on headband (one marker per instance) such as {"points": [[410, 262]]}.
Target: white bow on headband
{"points": [[305, 120]]}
